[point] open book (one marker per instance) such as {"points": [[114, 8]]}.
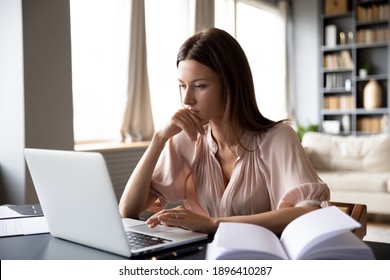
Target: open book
{"points": [[321, 234]]}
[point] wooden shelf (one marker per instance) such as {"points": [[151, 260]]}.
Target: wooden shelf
{"points": [[375, 53]]}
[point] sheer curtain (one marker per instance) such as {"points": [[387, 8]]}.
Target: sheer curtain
{"points": [[168, 24], [204, 14], [138, 121], [285, 12]]}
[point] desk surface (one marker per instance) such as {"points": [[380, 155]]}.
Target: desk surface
{"points": [[44, 246], [47, 247]]}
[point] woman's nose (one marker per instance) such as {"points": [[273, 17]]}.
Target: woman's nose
{"points": [[188, 98]]}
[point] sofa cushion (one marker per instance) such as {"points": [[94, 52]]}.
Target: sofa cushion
{"points": [[333, 152], [356, 181]]}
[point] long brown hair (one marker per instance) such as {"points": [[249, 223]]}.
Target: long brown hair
{"points": [[219, 51]]}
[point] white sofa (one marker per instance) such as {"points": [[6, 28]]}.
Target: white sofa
{"points": [[356, 168]]}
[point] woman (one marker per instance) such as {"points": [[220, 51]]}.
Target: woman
{"points": [[219, 155]]}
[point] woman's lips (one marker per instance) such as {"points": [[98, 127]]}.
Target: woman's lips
{"points": [[193, 111]]}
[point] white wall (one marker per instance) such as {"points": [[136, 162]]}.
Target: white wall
{"points": [[11, 101], [35, 88], [306, 46]]}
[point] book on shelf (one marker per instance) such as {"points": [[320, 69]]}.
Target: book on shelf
{"points": [[334, 81], [372, 35], [343, 102], [321, 234], [339, 60], [372, 13], [372, 124], [332, 102]]}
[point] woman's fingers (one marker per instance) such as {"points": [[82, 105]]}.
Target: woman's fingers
{"points": [[184, 120], [198, 123], [184, 218], [166, 217], [189, 123]]}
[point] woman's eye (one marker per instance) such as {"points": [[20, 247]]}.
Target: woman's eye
{"points": [[182, 86], [199, 86]]}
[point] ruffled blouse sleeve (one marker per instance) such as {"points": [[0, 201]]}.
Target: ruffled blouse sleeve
{"points": [[173, 170], [292, 179]]}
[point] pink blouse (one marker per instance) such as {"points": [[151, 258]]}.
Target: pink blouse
{"points": [[274, 173]]}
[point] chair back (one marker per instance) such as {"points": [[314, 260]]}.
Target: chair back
{"points": [[357, 212]]}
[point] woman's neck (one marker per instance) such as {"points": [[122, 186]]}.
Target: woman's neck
{"points": [[220, 137], [217, 134]]}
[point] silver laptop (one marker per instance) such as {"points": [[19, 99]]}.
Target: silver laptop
{"points": [[79, 203]]}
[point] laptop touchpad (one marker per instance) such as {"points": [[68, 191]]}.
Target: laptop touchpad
{"points": [[144, 228]]}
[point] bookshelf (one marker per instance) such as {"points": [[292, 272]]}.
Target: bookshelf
{"points": [[354, 35]]}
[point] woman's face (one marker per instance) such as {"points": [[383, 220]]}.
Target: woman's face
{"points": [[200, 90]]}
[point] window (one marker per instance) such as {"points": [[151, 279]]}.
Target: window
{"points": [[100, 50], [264, 47], [100, 46], [167, 27]]}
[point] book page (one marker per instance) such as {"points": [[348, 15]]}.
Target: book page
{"points": [[244, 241], [312, 228], [344, 246]]}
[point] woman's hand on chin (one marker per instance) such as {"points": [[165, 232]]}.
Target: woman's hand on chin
{"points": [[183, 120], [184, 218]]}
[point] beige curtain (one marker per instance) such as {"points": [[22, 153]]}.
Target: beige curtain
{"points": [[138, 121], [285, 11], [204, 14]]}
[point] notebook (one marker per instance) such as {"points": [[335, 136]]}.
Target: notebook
{"points": [[79, 203]]}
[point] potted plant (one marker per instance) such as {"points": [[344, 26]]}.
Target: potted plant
{"points": [[304, 129], [364, 70]]}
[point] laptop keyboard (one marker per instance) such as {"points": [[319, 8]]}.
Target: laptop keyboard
{"points": [[141, 240]]}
